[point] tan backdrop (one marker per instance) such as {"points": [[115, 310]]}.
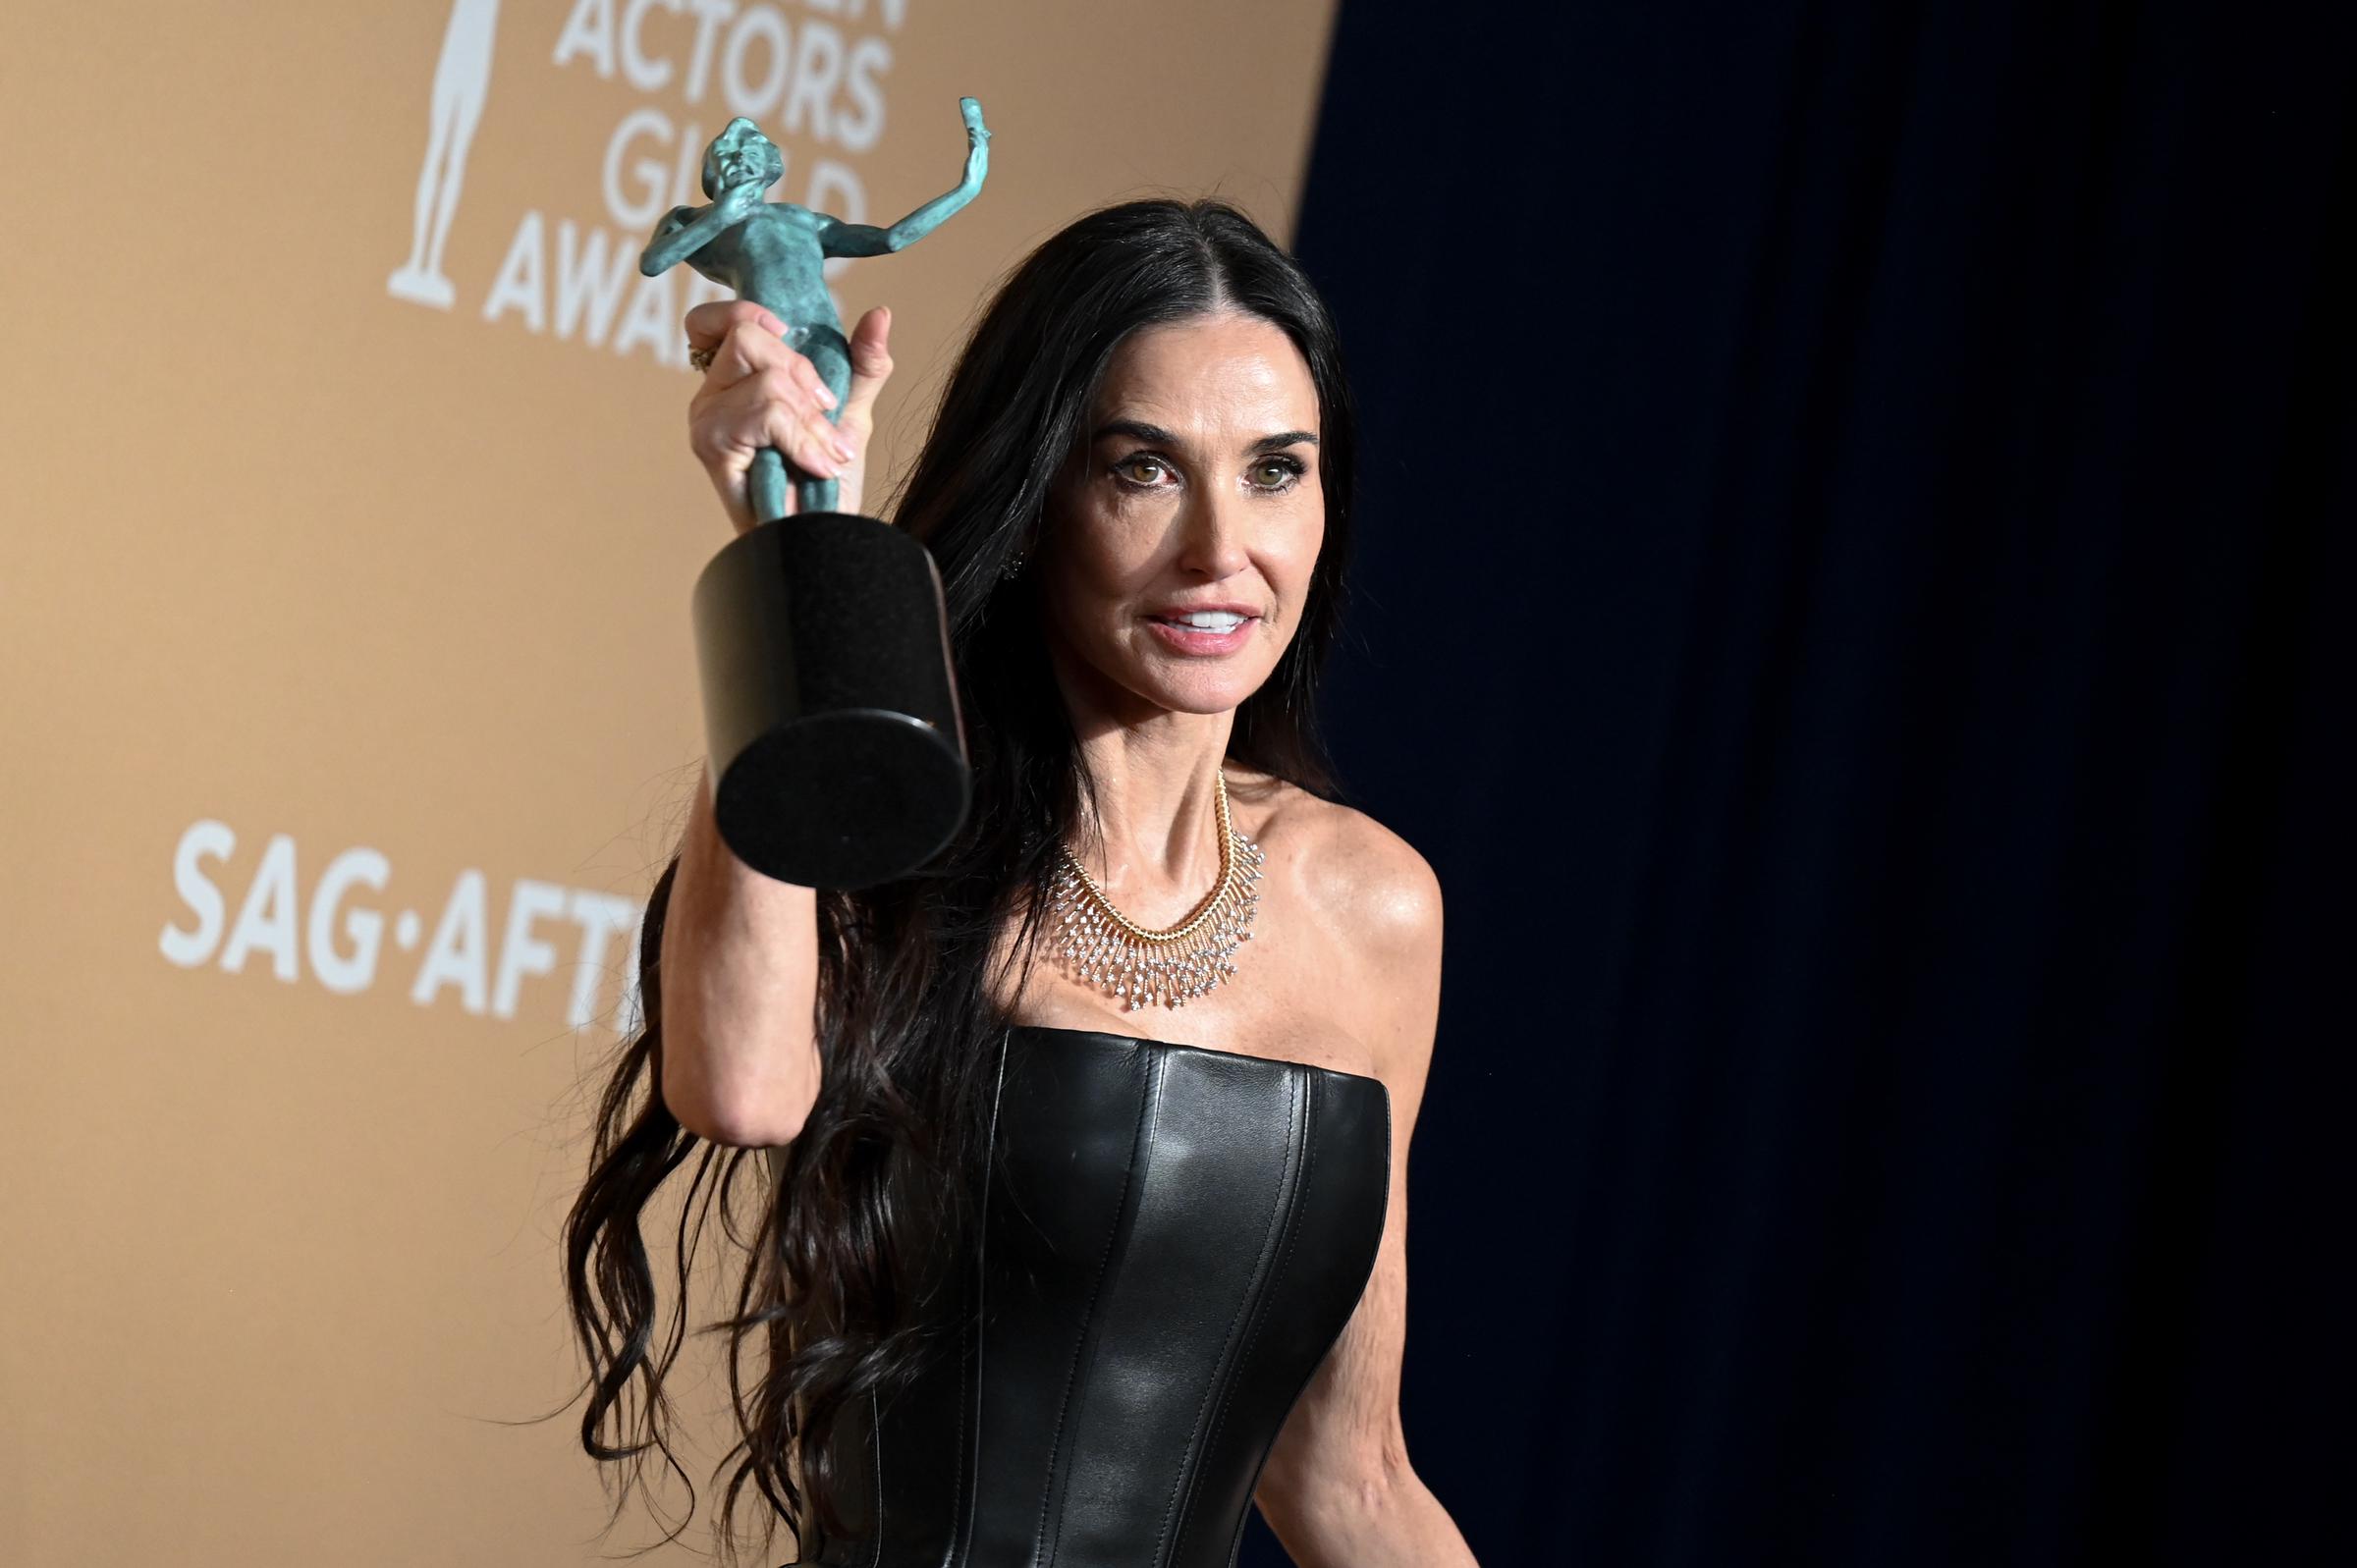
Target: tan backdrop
{"points": [[350, 704]]}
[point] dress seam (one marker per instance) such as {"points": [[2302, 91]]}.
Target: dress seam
{"points": [[972, 1337], [1293, 1234], [1278, 1235], [1045, 1542]]}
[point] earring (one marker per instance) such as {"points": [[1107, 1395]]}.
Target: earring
{"points": [[1015, 564]]}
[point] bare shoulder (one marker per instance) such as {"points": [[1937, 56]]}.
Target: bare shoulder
{"points": [[1363, 881], [1368, 909]]}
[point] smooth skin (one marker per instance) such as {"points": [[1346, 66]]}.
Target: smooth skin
{"points": [[1183, 495]]}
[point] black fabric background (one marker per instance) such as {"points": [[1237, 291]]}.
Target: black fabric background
{"points": [[1855, 602]]}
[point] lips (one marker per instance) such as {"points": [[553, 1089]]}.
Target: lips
{"points": [[1222, 614], [1206, 621], [1203, 629]]}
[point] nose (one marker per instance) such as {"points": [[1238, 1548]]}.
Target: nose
{"points": [[1212, 535]]}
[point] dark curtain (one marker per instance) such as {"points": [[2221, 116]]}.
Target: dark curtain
{"points": [[1855, 600]]}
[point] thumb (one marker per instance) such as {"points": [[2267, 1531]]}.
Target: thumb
{"points": [[871, 361]]}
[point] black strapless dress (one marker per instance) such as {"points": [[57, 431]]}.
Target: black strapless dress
{"points": [[1173, 1238]]}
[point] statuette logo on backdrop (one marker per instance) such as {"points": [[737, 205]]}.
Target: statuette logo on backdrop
{"points": [[811, 73], [462, 78]]}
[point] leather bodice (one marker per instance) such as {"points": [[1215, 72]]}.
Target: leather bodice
{"points": [[1172, 1240]]}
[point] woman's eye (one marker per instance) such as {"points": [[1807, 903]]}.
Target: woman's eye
{"points": [[1276, 474], [1140, 470]]}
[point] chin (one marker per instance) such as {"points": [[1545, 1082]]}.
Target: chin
{"points": [[1202, 690]]}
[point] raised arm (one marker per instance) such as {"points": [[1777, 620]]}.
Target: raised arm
{"points": [[740, 1063], [840, 239]]}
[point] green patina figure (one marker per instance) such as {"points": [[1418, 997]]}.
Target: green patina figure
{"points": [[774, 253]]}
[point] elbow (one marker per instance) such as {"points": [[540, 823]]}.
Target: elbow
{"points": [[735, 1131], [740, 1119]]}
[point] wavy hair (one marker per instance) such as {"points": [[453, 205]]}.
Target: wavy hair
{"points": [[845, 1274]]}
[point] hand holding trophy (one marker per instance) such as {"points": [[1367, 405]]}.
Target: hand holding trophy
{"points": [[830, 710]]}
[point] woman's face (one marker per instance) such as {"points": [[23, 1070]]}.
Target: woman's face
{"points": [[1182, 533]]}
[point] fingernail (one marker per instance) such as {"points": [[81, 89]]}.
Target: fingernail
{"points": [[826, 395], [845, 450]]}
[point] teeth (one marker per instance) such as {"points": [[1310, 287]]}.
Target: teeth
{"points": [[1208, 620]]}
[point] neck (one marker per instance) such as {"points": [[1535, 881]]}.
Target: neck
{"points": [[1152, 842]]}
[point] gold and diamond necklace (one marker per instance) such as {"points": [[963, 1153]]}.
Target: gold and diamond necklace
{"points": [[1104, 948]]}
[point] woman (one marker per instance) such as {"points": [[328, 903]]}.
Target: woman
{"points": [[1036, 1283]]}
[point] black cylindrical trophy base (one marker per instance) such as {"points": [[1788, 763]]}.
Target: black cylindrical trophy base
{"points": [[830, 710]]}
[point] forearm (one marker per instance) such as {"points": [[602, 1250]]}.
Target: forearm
{"points": [[929, 217], [739, 973], [1402, 1525]]}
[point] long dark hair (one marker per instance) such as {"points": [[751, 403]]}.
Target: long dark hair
{"points": [[843, 1268]]}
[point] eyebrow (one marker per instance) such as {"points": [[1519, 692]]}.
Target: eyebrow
{"points": [[1139, 430]]}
